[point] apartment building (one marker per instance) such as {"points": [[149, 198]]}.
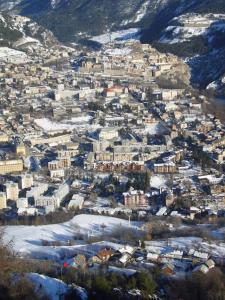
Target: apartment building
{"points": [[12, 191], [135, 199], [11, 166], [3, 203]]}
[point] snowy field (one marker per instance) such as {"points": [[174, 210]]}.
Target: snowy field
{"points": [[27, 40], [49, 126], [121, 35], [11, 55], [153, 129], [53, 288], [158, 181], [27, 240]]}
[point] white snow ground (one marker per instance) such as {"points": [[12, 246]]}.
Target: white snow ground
{"points": [[11, 55], [53, 288], [216, 249], [158, 181], [49, 126], [27, 240], [122, 35]]}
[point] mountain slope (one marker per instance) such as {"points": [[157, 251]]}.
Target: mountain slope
{"points": [[21, 32], [162, 23], [66, 18]]}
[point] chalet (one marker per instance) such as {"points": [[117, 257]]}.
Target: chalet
{"points": [[168, 269], [154, 257], [104, 254], [79, 262]]}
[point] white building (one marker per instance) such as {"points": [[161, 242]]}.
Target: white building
{"points": [[108, 133], [22, 203], [62, 191], [37, 190], [60, 173], [76, 202]]}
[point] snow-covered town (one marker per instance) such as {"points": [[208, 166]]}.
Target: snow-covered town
{"points": [[109, 160]]}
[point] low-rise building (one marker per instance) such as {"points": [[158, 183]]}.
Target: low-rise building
{"points": [[26, 181]]}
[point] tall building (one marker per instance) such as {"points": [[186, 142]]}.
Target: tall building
{"points": [[12, 191], [21, 150], [3, 203], [26, 181], [62, 191]]}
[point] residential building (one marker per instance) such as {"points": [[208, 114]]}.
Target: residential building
{"points": [[3, 203], [11, 166], [135, 199], [12, 191]]}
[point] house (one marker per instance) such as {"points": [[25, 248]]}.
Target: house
{"points": [[127, 249], [152, 257], [79, 262], [210, 264], [168, 269], [201, 268], [125, 258], [201, 255], [102, 256]]}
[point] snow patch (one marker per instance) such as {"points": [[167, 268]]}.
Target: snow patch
{"points": [[121, 35], [49, 126], [53, 288], [11, 55], [27, 240]]}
